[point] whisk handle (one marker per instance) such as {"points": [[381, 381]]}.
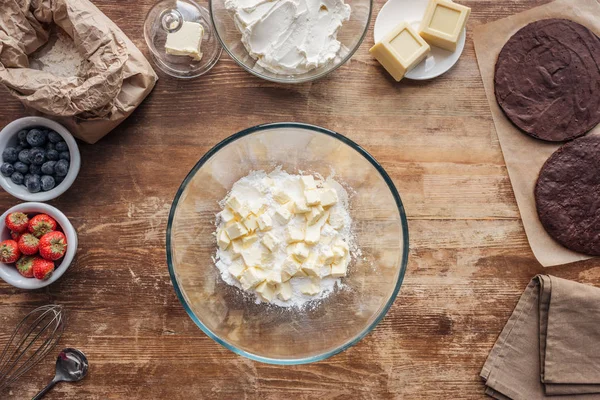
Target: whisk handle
{"points": [[45, 390]]}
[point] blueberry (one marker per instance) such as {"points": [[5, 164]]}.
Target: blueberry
{"points": [[61, 168], [47, 183], [17, 178], [50, 146], [10, 155], [24, 144], [22, 135], [62, 146], [35, 169], [24, 156], [35, 138], [58, 179], [65, 155], [37, 156], [52, 155], [19, 149], [26, 178], [7, 169], [34, 184], [54, 137], [48, 167], [21, 167]]}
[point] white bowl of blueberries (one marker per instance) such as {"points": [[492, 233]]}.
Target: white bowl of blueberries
{"points": [[40, 159]]}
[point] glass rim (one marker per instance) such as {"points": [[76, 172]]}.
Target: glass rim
{"points": [[320, 75], [403, 263]]}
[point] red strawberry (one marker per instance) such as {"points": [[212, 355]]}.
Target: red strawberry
{"points": [[25, 266], [9, 251], [41, 224], [53, 245], [42, 269], [15, 235], [28, 244], [17, 222]]}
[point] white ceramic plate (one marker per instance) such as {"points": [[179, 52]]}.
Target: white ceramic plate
{"points": [[438, 60]]}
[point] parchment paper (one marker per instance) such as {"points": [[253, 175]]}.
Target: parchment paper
{"points": [[90, 106], [524, 155]]}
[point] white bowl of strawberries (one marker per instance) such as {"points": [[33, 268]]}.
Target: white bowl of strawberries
{"points": [[37, 245]]}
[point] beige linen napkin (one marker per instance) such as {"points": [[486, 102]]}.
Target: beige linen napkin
{"points": [[550, 345]]}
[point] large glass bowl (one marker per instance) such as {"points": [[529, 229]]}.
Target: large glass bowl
{"points": [[351, 35], [269, 333]]}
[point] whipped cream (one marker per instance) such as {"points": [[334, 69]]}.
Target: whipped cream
{"points": [[290, 36]]}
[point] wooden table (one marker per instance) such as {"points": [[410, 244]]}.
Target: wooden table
{"points": [[469, 259]]}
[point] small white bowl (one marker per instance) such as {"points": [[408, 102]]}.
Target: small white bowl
{"points": [[8, 137], [10, 274]]}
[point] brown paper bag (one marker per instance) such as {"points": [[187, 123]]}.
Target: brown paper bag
{"points": [[524, 155], [116, 80]]}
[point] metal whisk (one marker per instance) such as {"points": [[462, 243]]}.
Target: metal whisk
{"points": [[30, 342]]}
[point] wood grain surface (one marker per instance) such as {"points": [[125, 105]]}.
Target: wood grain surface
{"points": [[469, 258]]}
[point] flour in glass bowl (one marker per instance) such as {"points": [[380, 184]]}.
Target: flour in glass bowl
{"points": [[286, 239]]}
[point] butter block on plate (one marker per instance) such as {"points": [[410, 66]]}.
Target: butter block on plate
{"points": [[443, 23], [400, 50], [186, 41]]}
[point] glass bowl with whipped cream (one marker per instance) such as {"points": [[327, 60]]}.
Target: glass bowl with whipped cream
{"points": [[287, 243], [290, 41]]}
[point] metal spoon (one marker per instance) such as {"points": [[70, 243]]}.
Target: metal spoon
{"points": [[71, 366]]}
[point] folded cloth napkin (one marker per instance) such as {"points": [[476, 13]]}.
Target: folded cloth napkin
{"points": [[550, 345]]}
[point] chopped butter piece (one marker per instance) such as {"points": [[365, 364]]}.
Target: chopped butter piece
{"points": [[186, 41], [267, 292], [308, 182], [311, 288], [265, 222], [252, 257], [236, 230], [400, 50], [326, 256], [311, 269], [249, 239], [294, 234], [251, 278], [274, 278], [443, 23], [289, 269], [251, 223], [300, 207], [237, 248], [338, 253], [313, 232], [312, 197], [339, 269], [315, 214], [281, 197], [270, 241], [283, 215], [285, 291], [234, 204], [328, 197], [227, 215], [300, 251], [223, 240], [237, 269]]}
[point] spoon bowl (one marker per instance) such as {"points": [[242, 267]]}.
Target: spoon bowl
{"points": [[71, 366]]}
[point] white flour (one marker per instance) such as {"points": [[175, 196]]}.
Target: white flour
{"points": [[253, 190]]}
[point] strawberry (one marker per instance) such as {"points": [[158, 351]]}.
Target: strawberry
{"points": [[28, 244], [9, 251], [17, 222], [15, 235], [25, 266], [41, 224], [42, 269], [53, 245]]}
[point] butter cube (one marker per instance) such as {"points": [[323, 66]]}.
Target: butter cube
{"points": [[251, 278], [234, 204], [285, 291], [338, 253], [265, 291], [326, 256], [236, 230], [312, 197], [311, 269], [289, 268], [308, 182], [300, 207], [274, 278], [265, 222], [313, 232], [252, 257], [248, 240], [400, 50], [443, 23], [281, 197], [315, 214], [251, 223], [186, 41], [226, 215], [237, 247], [294, 234], [223, 240], [328, 197], [339, 269], [270, 241], [283, 215], [237, 269], [300, 251], [311, 288]]}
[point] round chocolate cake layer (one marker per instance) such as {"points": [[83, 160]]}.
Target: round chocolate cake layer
{"points": [[567, 195], [547, 79]]}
